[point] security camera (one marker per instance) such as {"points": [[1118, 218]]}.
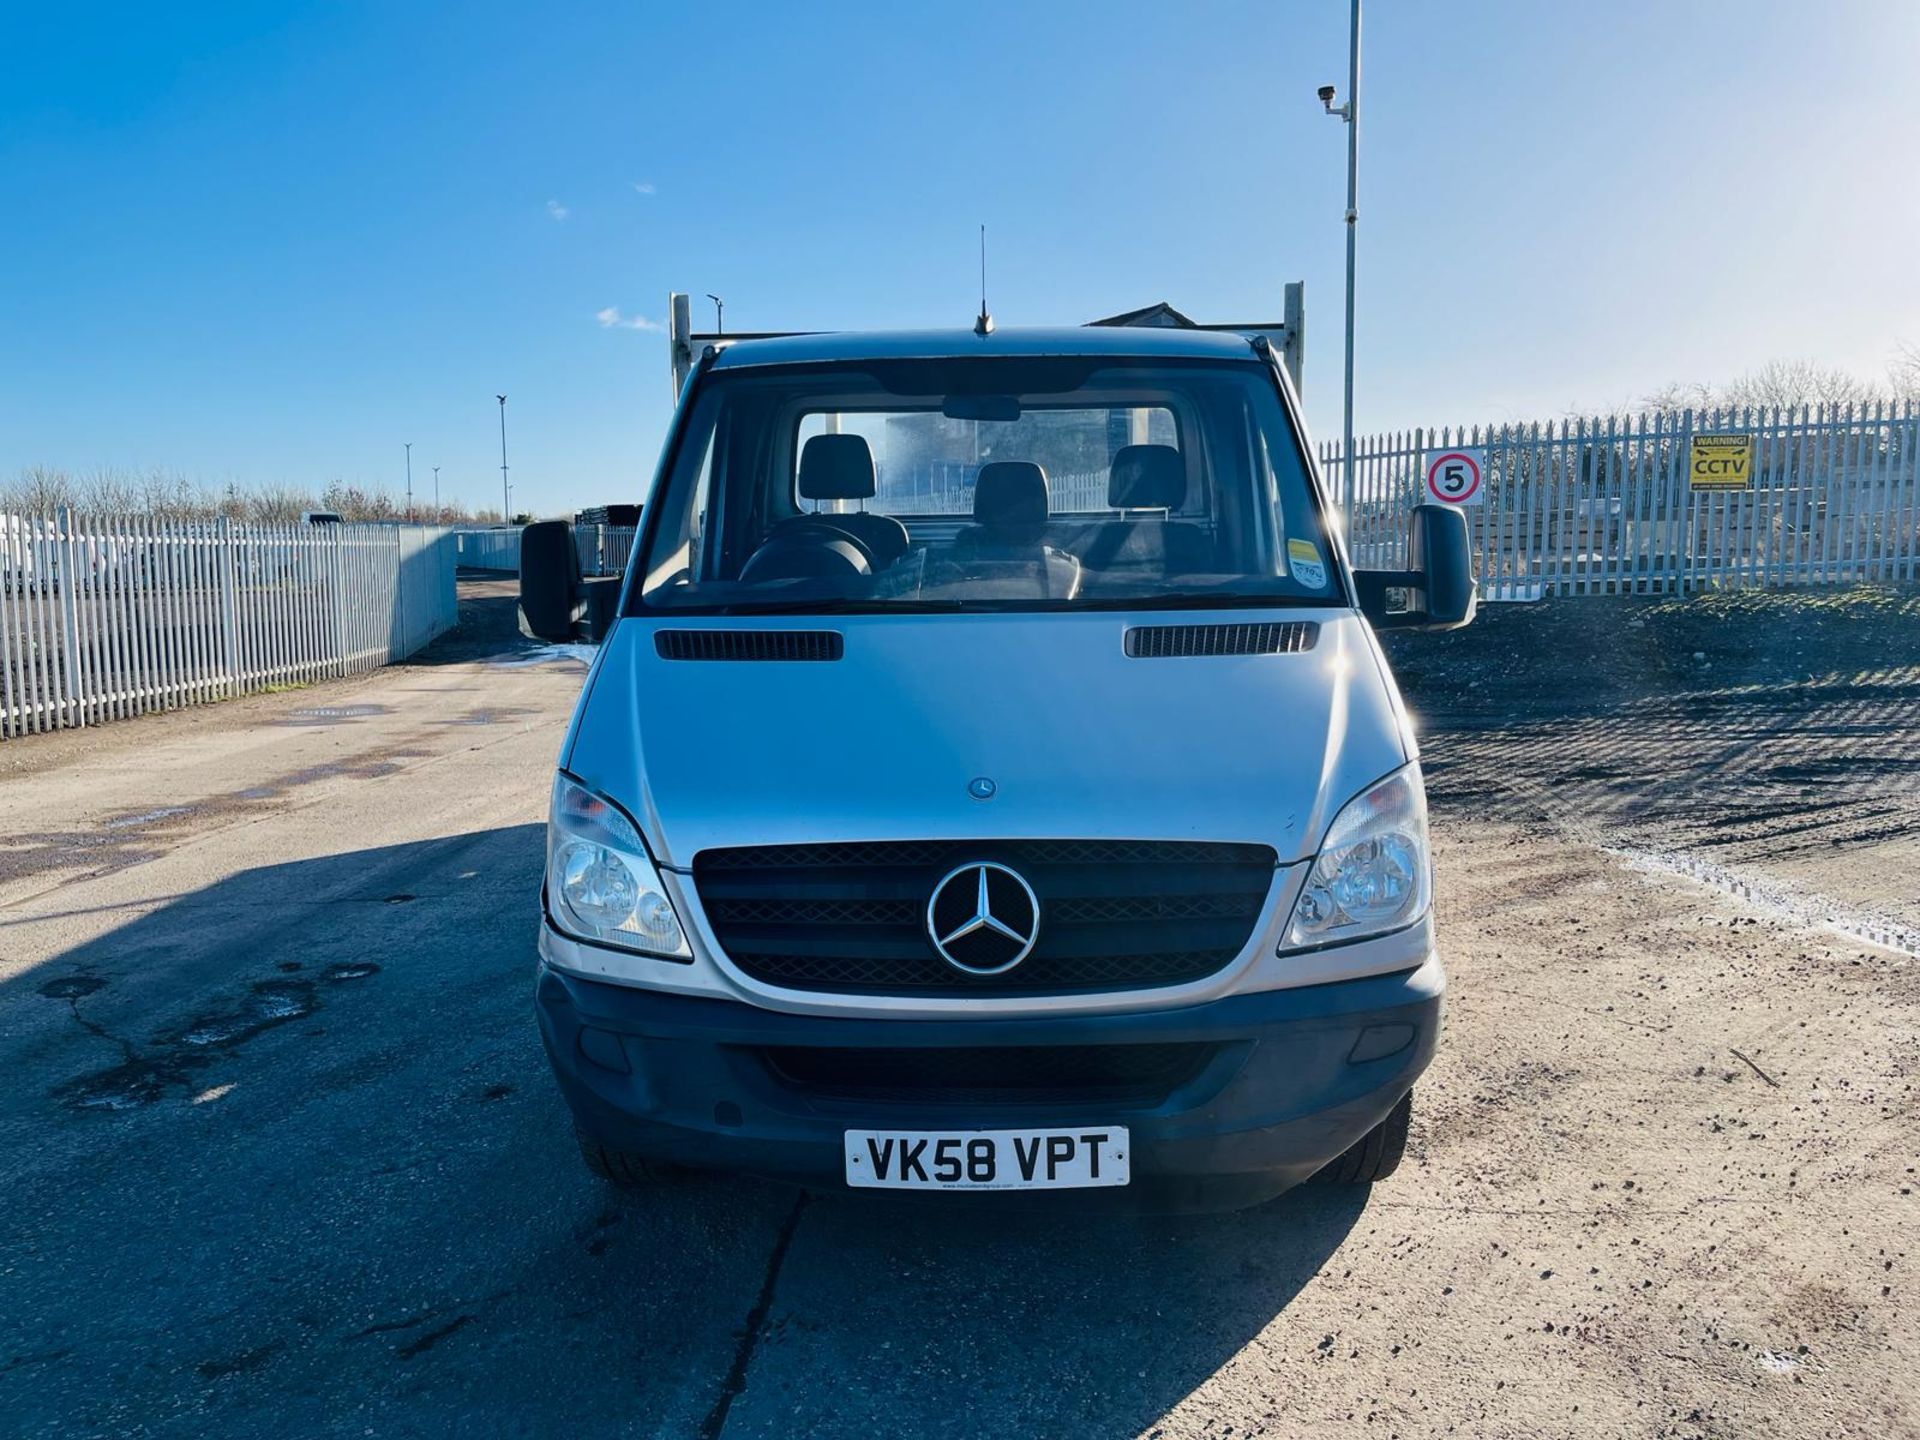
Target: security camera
{"points": [[1326, 96]]}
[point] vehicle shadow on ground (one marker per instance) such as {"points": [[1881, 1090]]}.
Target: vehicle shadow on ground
{"points": [[282, 1155], [933, 1318]]}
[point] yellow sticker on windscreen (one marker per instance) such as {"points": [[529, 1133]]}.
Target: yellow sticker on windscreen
{"points": [[1303, 556]]}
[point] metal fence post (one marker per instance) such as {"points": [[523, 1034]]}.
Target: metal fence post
{"points": [[71, 701], [400, 590], [229, 607], [336, 600]]}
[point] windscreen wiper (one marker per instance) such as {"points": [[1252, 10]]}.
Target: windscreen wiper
{"points": [[1201, 600], [841, 605]]}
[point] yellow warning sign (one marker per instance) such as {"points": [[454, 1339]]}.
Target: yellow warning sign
{"points": [[1720, 462]]}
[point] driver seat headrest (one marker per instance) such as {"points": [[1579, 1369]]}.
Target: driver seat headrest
{"points": [[1010, 495], [836, 467]]}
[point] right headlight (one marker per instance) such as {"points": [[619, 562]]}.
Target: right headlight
{"points": [[1373, 873], [601, 883]]}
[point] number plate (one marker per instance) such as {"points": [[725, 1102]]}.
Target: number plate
{"points": [[988, 1159]]}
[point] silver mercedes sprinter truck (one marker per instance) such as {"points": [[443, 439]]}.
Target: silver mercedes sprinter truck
{"points": [[988, 779]]}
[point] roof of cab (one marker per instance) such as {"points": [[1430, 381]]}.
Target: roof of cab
{"points": [[1130, 342]]}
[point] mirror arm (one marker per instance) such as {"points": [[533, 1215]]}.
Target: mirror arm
{"points": [[1372, 585]]}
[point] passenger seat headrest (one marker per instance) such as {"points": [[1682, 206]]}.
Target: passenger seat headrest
{"points": [[1008, 494], [1147, 477], [836, 467]]}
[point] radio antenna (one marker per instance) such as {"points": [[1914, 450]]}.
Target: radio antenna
{"points": [[984, 324]]}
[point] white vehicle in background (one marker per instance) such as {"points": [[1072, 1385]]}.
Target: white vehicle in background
{"points": [[17, 533], [37, 548]]}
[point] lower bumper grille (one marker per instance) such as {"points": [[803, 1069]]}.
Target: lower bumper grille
{"points": [[1114, 914], [986, 1075]]}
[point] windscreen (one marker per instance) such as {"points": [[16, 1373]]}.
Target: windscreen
{"points": [[986, 484]]}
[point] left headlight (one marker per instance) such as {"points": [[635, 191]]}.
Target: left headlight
{"points": [[601, 883], [1373, 873]]}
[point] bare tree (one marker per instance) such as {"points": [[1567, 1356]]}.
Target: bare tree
{"points": [[1904, 374], [107, 491], [279, 504], [39, 489], [1673, 397], [166, 495], [1779, 384]]}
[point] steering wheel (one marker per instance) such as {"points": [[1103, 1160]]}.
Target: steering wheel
{"points": [[806, 553]]}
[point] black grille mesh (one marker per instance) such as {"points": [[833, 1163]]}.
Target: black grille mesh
{"points": [[1279, 637], [1057, 1075], [1114, 914], [749, 644]]}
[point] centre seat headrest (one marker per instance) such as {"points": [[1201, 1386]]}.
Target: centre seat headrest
{"points": [[1147, 477], [1008, 494]]}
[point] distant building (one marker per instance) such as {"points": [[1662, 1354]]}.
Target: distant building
{"points": [[1159, 315]]}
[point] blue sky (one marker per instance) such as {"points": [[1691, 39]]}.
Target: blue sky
{"points": [[272, 243]]}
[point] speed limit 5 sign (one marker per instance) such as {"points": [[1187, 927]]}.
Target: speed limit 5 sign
{"points": [[1454, 476]]}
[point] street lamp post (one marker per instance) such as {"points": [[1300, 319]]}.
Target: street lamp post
{"points": [[436, 494], [719, 313], [506, 504], [1350, 113], [409, 445]]}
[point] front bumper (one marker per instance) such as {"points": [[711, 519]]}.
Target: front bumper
{"points": [[1295, 1077]]}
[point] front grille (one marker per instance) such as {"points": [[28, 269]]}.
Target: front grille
{"points": [[1057, 1075], [1114, 914], [1165, 642], [749, 644]]}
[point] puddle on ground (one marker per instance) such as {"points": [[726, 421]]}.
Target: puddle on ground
{"points": [[544, 655], [169, 1064], [493, 715], [272, 1002], [331, 714], [127, 1086], [350, 970], [172, 1060], [146, 817], [72, 987]]}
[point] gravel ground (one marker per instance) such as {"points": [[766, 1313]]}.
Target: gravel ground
{"points": [[280, 1155], [1770, 741]]}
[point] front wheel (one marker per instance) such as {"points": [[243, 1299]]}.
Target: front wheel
{"points": [[1376, 1154], [622, 1167]]}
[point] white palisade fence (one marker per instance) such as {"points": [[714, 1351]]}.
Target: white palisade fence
{"points": [[603, 548], [493, 549], [102, 618], [1603, 505]]}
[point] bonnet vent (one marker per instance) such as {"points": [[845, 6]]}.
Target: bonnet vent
{"points": [[1162, 642], [749, 644]]}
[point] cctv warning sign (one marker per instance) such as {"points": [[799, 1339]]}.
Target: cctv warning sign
{"points": [[1720, 462]]}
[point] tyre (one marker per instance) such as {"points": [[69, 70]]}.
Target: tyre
{"points": [[622, 1167], [1376, 1154]]}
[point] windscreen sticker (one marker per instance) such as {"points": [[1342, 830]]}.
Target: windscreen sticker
{"points": [[1304, 557]]}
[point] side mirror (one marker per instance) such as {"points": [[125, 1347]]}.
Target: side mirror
{"points": [[550, 603], [1438, 581], [556, 602]]}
